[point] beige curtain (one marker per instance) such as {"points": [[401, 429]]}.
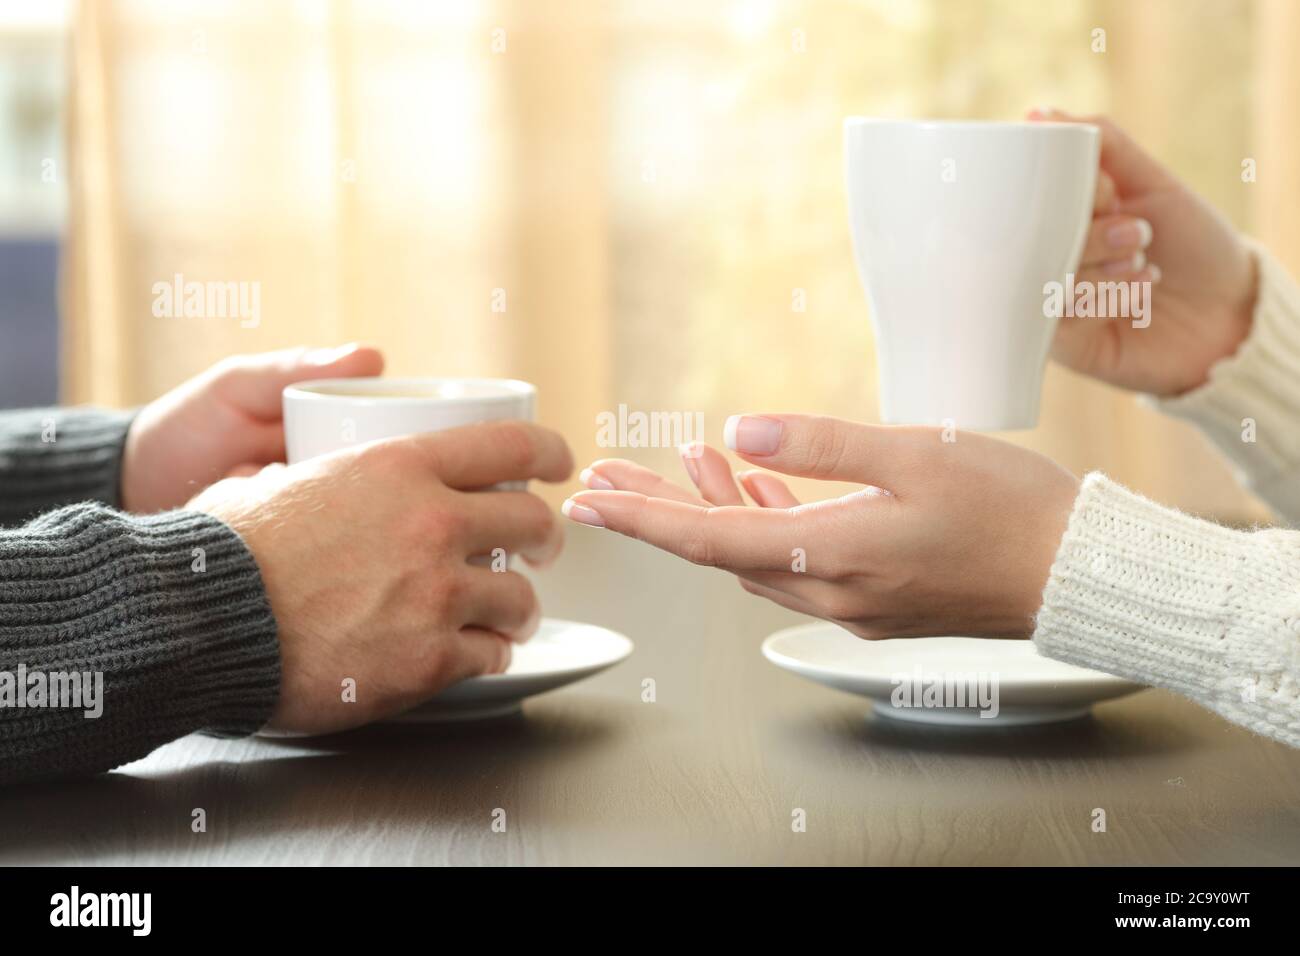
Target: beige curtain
{"points": [[632, 203]]}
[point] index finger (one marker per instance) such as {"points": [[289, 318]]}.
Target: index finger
{"points": [[732, 537], [488, 453]]}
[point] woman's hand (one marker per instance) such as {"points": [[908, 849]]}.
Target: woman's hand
{"points": [[224, 422], [1148, 226], [948, 537]]}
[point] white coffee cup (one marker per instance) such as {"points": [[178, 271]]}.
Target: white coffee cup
{"points": [[957, 228], [328, 414]]}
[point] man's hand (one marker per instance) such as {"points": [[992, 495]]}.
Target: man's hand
{"points": [[226, 421], [365, 557], [946, 537]]}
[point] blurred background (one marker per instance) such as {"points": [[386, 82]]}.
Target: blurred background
{"points": [[33, 197], [630, 201]]}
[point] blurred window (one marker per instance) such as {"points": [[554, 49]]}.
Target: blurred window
{"points": [[33, 196]]}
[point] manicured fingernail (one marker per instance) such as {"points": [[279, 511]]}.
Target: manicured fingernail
{"points": [[582, 514], [1138, 233], [329, 356], [1155, 272], [752, 435], [1133, 264], [691, 453], [595, 481]]}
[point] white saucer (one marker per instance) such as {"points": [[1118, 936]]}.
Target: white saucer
{"points": [[560, 653], [905, 678]]}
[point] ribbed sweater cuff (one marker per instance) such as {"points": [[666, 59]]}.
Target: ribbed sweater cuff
{"points": [[1250, 404], [170, 608], [50, 457], [1163, 598]]}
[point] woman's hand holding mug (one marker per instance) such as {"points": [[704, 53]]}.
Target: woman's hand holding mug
{"points": [[1149, 226]]}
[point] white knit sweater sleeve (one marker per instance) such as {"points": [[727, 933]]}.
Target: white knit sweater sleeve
{"points": [[1152, 594], [1250, 407], [1160, 597]]}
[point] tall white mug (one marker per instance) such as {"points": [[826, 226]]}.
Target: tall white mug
{"points": [[957, 228]]}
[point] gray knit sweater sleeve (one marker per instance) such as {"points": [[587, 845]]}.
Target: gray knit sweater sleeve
{"points": [[118, 633], [51, 457]]}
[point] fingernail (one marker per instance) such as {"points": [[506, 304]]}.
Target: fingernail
{"points": [[752, 435], [329, 356], [689, 460], [1155, 273], [1133, 264], [582, 514], [1136, 233], [595, 481]]}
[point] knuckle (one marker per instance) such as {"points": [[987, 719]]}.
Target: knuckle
{"points": [[443, 601], [443, 525], [454, 590], [519, 443], [825, 450], [698, 549], [387, 458]]}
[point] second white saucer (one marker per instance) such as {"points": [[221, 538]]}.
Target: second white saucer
{"points": [[945, 680]]}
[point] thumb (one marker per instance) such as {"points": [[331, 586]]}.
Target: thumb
{"points": [[828, 448], [1133, 170], [253, 383]]}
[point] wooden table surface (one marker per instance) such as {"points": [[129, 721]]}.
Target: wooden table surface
{"points": [[710, 772]]}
